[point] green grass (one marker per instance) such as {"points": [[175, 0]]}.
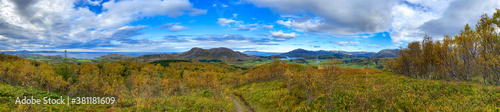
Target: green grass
{"points": [[258, 62], [309, 62], [322, 61], [355, 66], [83, 60], [189, 102], [196, 102], [379, 91]]}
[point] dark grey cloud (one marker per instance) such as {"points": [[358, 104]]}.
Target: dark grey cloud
{"points": [[414, 19], [22, 6], [336, 16], [55, 24], [457, 15], [17, 37], [10, 31]]}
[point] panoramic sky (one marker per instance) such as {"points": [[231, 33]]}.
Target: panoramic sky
{"points": [[253, 25]]}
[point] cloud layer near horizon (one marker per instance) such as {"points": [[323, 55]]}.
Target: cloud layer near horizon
{"points": [[73, 24]]}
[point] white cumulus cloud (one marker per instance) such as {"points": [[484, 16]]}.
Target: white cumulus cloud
{"points": [[227, 22], [59, 24], [280, 35]]}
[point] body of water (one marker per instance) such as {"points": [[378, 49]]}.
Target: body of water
{"points": [[288, 58], [263, 54]]}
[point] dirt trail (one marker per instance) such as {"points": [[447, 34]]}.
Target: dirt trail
{"points": [[237, 105]]}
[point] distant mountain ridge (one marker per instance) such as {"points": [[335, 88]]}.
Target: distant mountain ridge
{"points": [[214, 53], [306, 53], [302, 52], [226, 54], [114, 57], [196, 53], [387, 53]]}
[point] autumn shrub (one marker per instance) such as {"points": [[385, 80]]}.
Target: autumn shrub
{"points": [[471, 55], [21, 72]]}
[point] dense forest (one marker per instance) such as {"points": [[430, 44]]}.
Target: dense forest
{"points": [[134, 84], [143, 84], [473, 55]]}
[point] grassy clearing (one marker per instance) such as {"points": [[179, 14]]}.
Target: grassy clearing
{"points": [[312, 62], [83, 60], [257, 62]]}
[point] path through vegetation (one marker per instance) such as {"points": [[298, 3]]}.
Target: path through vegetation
{"points": [[237, 105]]}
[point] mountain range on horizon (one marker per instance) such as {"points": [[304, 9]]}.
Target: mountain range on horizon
{"points": [[196, 53], [224, 53], [302, 53], [246, 52]]}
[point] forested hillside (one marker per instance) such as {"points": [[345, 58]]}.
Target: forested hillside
{"points": [[197, 54], [136, 86], [473, 55], [194, 86], [386, 53], [322, 53]]}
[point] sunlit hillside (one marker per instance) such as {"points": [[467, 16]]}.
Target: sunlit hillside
{"points": [[249, 55], [194, 86]]}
